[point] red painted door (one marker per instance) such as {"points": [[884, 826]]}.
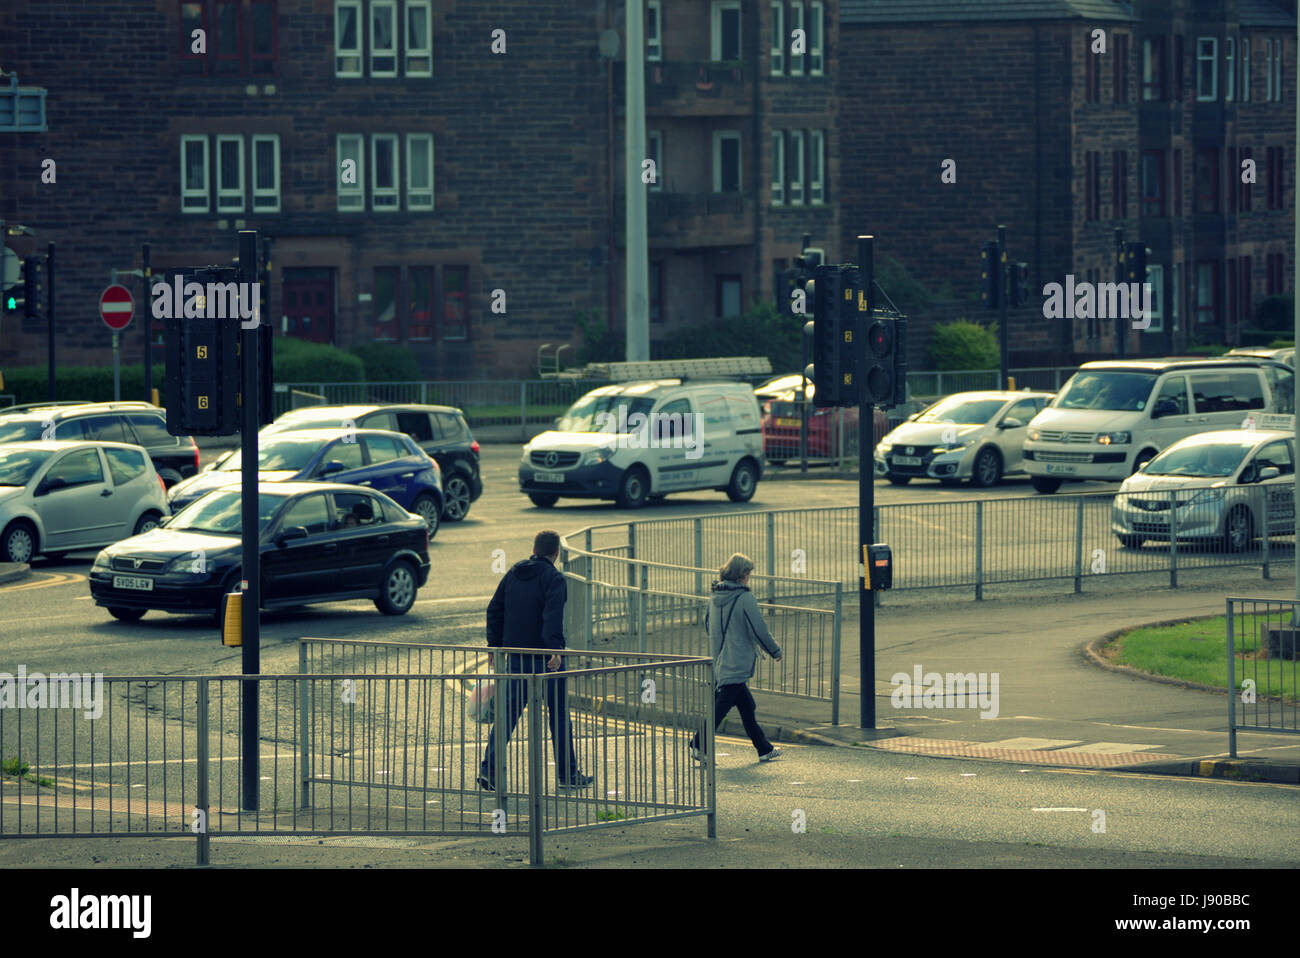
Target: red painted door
{"points": [[308, 307]]}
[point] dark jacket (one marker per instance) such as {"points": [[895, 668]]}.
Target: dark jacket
{"points": [[734, 607], [527, 610]]}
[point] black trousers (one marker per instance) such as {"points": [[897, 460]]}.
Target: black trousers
{"points": [[726, 697], [516, 700]]}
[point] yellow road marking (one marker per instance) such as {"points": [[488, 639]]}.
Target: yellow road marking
{"points": [[58, 578]]}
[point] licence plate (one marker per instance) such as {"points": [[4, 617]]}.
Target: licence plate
{"points": [[132, 582], [907, 460], [788, 423], [1067, 470], [548, 477]]}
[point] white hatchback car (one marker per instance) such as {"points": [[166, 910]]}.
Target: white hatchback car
{"points": [[61, 496], [1230, 486]]}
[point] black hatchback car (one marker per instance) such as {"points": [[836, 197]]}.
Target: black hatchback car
{"points": [[137, 423], [441, 431], [320, 542]]}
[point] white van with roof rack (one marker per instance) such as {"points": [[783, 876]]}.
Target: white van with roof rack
{"points": [[634, 441], [1114, 416]]}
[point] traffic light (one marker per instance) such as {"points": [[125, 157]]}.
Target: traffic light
{"points": [[203, 380], [885, 380], [1019, 284], [34, 287], [990, 276], [834, 295], [1134, 262]]}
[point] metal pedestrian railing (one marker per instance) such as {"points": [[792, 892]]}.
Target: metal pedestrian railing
{"points": [[1263, 658], [368, 750]]}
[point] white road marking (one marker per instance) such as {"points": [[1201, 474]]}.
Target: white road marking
{"points": [[1034, 743], [1110, 748], [1060, 809]]}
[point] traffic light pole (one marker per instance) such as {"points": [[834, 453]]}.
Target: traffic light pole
{"points": [[49, 312], [866, 494], [146, 320], [803, 379], [1121, 334], [1004, 293], [250, 404]]}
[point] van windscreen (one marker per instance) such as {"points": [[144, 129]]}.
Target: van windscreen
{"points": [[1100, 389], [605, 414]]}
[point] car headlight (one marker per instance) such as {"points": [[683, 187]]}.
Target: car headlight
{"points": [[1114, 438], [597, 456], [102, 561], [1033, 434], [955, 446], [1120, 501], [885, 448]]}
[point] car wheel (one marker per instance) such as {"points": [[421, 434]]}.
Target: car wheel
{"points": [[456, 502], [426, 507], [744, 481], [397, 590], [19, 542], [1131, 542], [1238, 530], [1143, 457], [126, 615], [987, 470], [145, 523], [899, 480], [543, 500], [169, 477], [1045, 485], [632, 491]]}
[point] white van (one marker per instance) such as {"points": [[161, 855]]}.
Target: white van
{"points": [[635, 441], [1113, 417]]}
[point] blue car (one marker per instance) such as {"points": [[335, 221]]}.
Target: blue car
{"points": [[388, 462]]}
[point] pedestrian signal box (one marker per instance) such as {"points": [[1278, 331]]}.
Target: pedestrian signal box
{"points": [[878, 561]]}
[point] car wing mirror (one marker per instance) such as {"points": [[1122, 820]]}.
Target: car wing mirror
{"points": [[1165, 407], [1011, 422], [289, 533], [1268, 472], [48, 485], [334, 465]]}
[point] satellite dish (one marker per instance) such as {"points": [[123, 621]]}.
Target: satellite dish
{"points": [[609, 44]]}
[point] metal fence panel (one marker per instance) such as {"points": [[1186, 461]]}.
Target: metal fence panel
{"points": [[1263, 649]]}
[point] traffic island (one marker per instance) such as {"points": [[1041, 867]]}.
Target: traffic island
{"points": [[14, 572]]}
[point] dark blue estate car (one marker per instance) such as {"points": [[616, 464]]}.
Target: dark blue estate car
{"points": [[385, 461]]}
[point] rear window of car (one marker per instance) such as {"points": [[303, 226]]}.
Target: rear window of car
{"points": [[1227, 392], [450, 426], [151, 430], [384, 449], [108, 428], [124, 464], [379, 420], [354, 509]]}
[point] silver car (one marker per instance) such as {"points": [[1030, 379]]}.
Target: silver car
{"points": [[65, 496]]}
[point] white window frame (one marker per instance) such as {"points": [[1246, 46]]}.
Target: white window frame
{"points": [[816, 167], [797, 156], [1212, 58], [425, 49], [340, 52], [266, 201], [654, 44], [776, 44], [421, 199], [230, 199], [715, 39], [351, 197], [797, 23], [1244, 85], [1156, 277], [193, 193], [719, 136], [385, 199], [816, 38], [656, 154], [375, 7], [778, 167], [1229, 68]]}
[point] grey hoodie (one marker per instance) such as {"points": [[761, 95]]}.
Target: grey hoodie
{"points": [[735, 606]]}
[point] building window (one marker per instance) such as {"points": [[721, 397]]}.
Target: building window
{"points": [[1234, 297], [728, 295], [816, 38], [1246, 188], [726, 161], [1273, 265], [383, 166], [1153, 186], [817, 167], [347, 38], [1156, 277], [1119, 185], [657, 291], [1246, 280], [1277, 69], [1091, 75], [230, 174], [385, 304], [419, 38], [1120, 78], [1229, 68], [1094, 323], [1207, 180], [1207, 289], [796, 167], [1178, 183], [1207, 68], [1276, 174], [194, 174], [1153, 68], [194, 16], [778, 167], [419, 306], [776, 47], [455, 303], [725, 40], [266, 173], [263, 41], [1245, 70], [654, 147], [1092, 185], [796, 23], [419, 171], [1179, 67], [1230, 164], [383, 38], [654, 44], [227, 42], [351, 171]]}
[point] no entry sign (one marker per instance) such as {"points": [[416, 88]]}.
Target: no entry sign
{"points": [[116, 307]]}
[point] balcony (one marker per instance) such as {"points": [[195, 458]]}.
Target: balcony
{"points": [[692, 88], [694, 220]]}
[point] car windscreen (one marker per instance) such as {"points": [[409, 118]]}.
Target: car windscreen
{"points": [[20, 430], [962, 412], [1205, 460], [288, 453], [220, 512], [17, 466], [1116, 391], [322, 420], [601, 413]]}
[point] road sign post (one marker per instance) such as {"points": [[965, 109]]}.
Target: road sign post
{"points": [[866, 496], [116, 307], [249, 341]]}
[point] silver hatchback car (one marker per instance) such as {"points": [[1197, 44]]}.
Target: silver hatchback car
{"points": [[65, 496]]}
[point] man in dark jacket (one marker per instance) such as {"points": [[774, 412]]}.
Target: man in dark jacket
{"points": [[527, 612]]}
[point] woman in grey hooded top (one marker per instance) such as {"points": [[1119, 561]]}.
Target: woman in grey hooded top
{"points": [[736, 630]]}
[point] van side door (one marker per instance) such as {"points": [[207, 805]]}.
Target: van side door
{"points": [[1224, 398], [676, 448]]}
